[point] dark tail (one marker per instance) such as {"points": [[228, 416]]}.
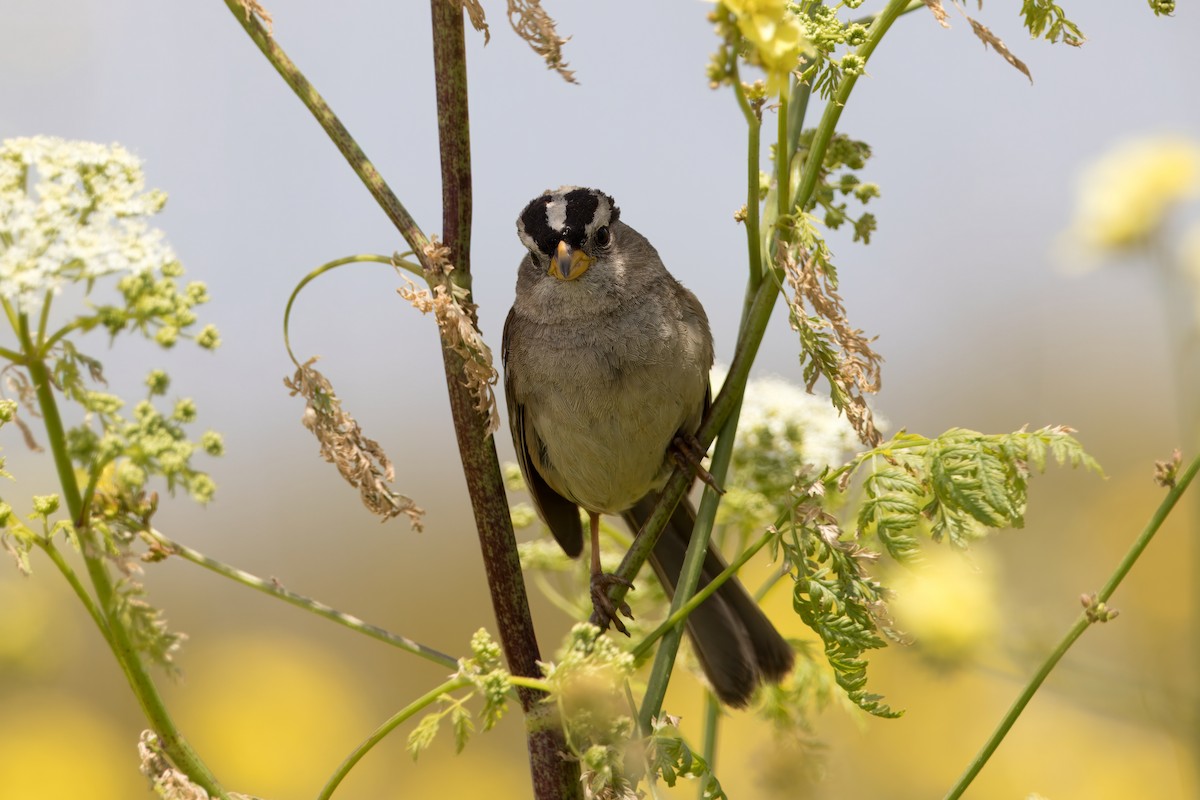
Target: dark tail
{"points": [[737, 645]]}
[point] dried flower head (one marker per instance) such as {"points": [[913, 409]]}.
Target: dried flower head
{"points": [[360, 460], [168, 782], [534, 25], [456, 321], [836, 351]]}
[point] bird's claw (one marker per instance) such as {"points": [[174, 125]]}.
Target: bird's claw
{"points": [[604, 611], [688, 454]]}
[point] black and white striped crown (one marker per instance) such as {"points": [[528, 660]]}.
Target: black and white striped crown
{"points": [[568, 213]]}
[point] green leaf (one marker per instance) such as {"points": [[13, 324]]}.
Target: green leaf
{"points": [[423, 735]]}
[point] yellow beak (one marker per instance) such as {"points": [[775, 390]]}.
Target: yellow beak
{"points": [[568, 264]]}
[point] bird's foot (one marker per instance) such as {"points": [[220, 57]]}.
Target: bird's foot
{"points": [[604, 611], [689, 455]]}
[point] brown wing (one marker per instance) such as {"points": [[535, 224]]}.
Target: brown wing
{"points": [[559, 513]]}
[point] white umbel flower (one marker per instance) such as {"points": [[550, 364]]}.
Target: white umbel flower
{"points": [[72, 211]]}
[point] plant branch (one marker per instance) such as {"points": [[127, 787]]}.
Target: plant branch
{"points": [[274, 589], [677, 616], [758, 314], [689, 576], [333, 126], [387, 727], [115, 632], [553, 776], [1085, 620]]}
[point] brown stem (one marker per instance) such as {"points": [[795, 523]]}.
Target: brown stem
{"points": [[554, 776]]}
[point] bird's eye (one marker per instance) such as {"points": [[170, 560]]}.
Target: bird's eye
{"points": [[602, 237]]}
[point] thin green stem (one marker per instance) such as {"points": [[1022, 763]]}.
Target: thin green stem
{"points": [[333, 126], [76, 586], [387, 727], [782, 158], [833, 109], [393, 261], [43, 321], [677, 616], [689, 575], [757, 316], [118, 636], [1084, 621], [712, 724], [273, 589]]}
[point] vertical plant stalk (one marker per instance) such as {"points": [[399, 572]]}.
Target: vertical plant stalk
{"points": [[1086, 620], [553, 775], [114, 631], [757, 315]]}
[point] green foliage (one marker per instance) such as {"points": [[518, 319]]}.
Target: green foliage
{"points": [[672, 759], [960, 484], [824, 69], [849, 156], [486, 677], [834, 595], [1045, 19], [146, 625], [956, 487]]}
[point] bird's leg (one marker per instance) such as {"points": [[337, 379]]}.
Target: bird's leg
{"points": [[603, 610], [688, 454]]}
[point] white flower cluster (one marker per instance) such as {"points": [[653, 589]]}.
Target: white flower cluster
{"points": [[776, 412], [72, 211]]}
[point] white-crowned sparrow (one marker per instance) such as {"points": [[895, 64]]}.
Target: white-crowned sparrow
{"points": [[606, 362]]}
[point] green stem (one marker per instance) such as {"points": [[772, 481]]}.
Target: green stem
{"points": [[76, 586], [757, 316], [689, 575], [678, 616], [273, 589], [118, 638], [383, 730], [712, 723], [1076, 630], [333, 126], [833, 109], [395, 261]]}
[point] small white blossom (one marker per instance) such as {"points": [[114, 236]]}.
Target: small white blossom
{"points": [[776, 411], [72, 211]]}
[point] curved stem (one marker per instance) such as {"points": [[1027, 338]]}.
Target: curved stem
{"points": [[1083, 623], [396, 261], [273, 589], [387, 727]]}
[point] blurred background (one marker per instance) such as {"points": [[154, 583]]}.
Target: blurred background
{"points": [[968, 284]]}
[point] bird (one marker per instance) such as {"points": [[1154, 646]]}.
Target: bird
{"points": [[606, 361]]}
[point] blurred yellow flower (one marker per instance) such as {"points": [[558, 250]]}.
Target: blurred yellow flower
{"points": [[775, 33], [1125, 196], [55, 745], [273, 715], [948, 604]]}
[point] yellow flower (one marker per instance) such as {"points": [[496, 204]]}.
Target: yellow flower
{"points": [[1126, 195], [776, 37], [948, 604]]}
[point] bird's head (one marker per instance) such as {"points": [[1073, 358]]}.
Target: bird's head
{"points": [[568, 229]]}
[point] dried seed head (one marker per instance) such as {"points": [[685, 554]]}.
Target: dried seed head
{"points": [[360, 460]]}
